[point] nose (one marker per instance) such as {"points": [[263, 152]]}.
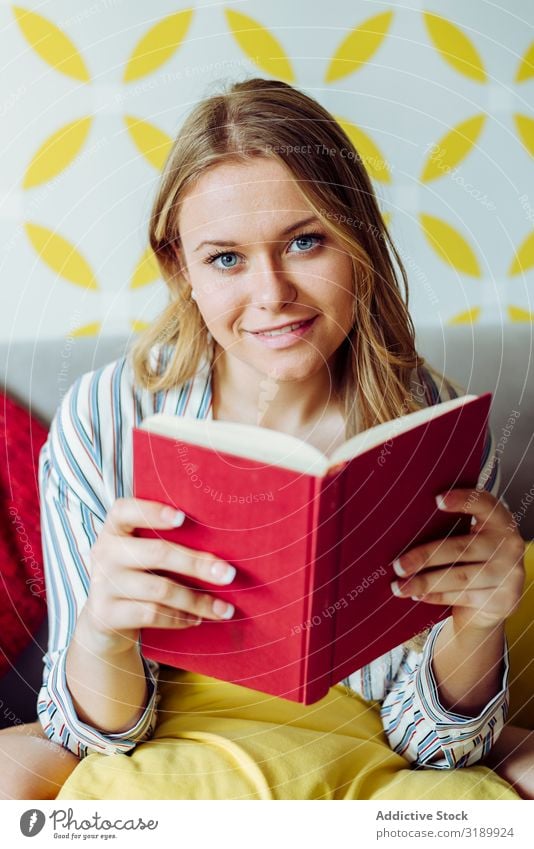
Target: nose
{"points": [[272, 286]]}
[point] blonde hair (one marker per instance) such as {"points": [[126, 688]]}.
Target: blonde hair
{"points": [[269, 118]]}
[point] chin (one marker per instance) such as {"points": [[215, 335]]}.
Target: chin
{"points": [[286, 371]]}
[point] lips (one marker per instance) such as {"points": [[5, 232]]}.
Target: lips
{"points": [[282, 328]]}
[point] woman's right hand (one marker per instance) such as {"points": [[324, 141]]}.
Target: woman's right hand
{"points": [[125, 596]]}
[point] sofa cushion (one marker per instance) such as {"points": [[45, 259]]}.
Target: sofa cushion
{"points": [[22, 589]]}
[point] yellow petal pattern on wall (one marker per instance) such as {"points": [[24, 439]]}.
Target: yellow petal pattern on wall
{"points": [[260, 45], [51, 44], [149, 140], [358, 47], [452, 148], [525, 131], [138, 326], [57, 152], [455, 47], [61, 256], [368, 151], [524, 257], [449, 244], [519, 314], [157, 45], [525, 71], [468, 317], [92, 329], [147, 270]]}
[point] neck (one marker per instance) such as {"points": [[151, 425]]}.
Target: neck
{"points": [[241, 393]]}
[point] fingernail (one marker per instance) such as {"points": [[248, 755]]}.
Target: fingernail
{"points": [[440, 501], [196, 621], [173, 517], [395, 589], [397, 568], [223, 572], [416, 597], [222, 609]]}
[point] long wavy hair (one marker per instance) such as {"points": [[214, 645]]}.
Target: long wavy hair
{"points": [[269, 118]]}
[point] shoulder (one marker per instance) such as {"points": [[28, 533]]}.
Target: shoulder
{"points": [[431, 387]]}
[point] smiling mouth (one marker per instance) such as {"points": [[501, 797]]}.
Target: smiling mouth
{"points": [[280, 331]]}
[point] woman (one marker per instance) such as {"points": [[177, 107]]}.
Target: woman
{"points": [[262, 221]]}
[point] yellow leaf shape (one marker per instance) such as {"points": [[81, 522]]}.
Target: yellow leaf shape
{"points": [[260, 45], [147, 270], [524, 257], [52, 44], [57, 152], [358, 47], [455, 47], [452, 148], [61, 256], [387, 218], [525, 69], [157, 45], [468, 317], [93, 329], [152, 142], [370, 154], [525, 131], [138, 326], [519, 314], [449, 244]]}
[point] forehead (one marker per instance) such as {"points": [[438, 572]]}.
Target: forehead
{"points": [[258, 195]]}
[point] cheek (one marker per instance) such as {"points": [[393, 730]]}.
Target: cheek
{"points": [[219, 310]]}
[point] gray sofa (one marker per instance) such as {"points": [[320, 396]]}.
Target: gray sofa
{"points": [[480, 358]]}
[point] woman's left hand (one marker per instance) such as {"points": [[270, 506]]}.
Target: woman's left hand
{"points": [[486, 580]]}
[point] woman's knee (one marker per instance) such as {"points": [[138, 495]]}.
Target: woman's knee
{"points": [[31, 766]]}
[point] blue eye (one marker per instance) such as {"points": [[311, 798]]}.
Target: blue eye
{"points": [[308, 237], [222, 257], [314, 238]]}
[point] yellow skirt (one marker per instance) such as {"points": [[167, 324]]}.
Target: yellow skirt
{"points": [[215, 740]]}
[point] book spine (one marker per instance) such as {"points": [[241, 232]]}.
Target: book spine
{"points": [[319, 624]]}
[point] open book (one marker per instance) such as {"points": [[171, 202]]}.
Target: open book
{"points": [[312, 538]]}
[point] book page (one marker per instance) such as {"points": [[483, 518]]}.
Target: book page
{"points": [[386, 431], [249, 441]]}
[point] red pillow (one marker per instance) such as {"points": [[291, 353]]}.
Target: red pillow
{"points": [[22, 589]]}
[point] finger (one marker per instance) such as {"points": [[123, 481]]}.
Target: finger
{"points": [[140, 553], [126, 514], [131, 615], [157, 590], [476, 599], [447, 551], [454, 579], [481, 504]]}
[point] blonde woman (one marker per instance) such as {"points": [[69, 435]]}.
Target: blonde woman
{"points": [[278, 265]]}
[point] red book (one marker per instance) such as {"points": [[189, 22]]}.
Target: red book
{"points": [[312, 538]]}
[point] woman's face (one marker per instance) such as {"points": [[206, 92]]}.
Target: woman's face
{"points": [[258, 260]]}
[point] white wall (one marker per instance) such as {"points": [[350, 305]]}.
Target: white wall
{"points": [[95, 190]]}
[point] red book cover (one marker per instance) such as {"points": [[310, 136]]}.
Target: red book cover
{"points": [[313, 553]]}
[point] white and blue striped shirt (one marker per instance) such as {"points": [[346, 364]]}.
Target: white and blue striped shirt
{"points": [[86, 464]]}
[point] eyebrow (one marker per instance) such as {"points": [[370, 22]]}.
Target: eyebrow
{"points": [[285, 232]]}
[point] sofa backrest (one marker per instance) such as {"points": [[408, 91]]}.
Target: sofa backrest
{"points": [[480, 358]]}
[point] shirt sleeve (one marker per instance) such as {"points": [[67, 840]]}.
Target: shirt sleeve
{"points": [[420, 729], [417, 725], [72, 514]]}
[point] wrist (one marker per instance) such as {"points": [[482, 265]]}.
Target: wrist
{"points": [[97, 640]]}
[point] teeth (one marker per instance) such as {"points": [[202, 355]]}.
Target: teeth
{"points": [[287, 329]]}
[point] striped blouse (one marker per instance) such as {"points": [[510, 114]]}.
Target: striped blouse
{"points": [[86, 463]]}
